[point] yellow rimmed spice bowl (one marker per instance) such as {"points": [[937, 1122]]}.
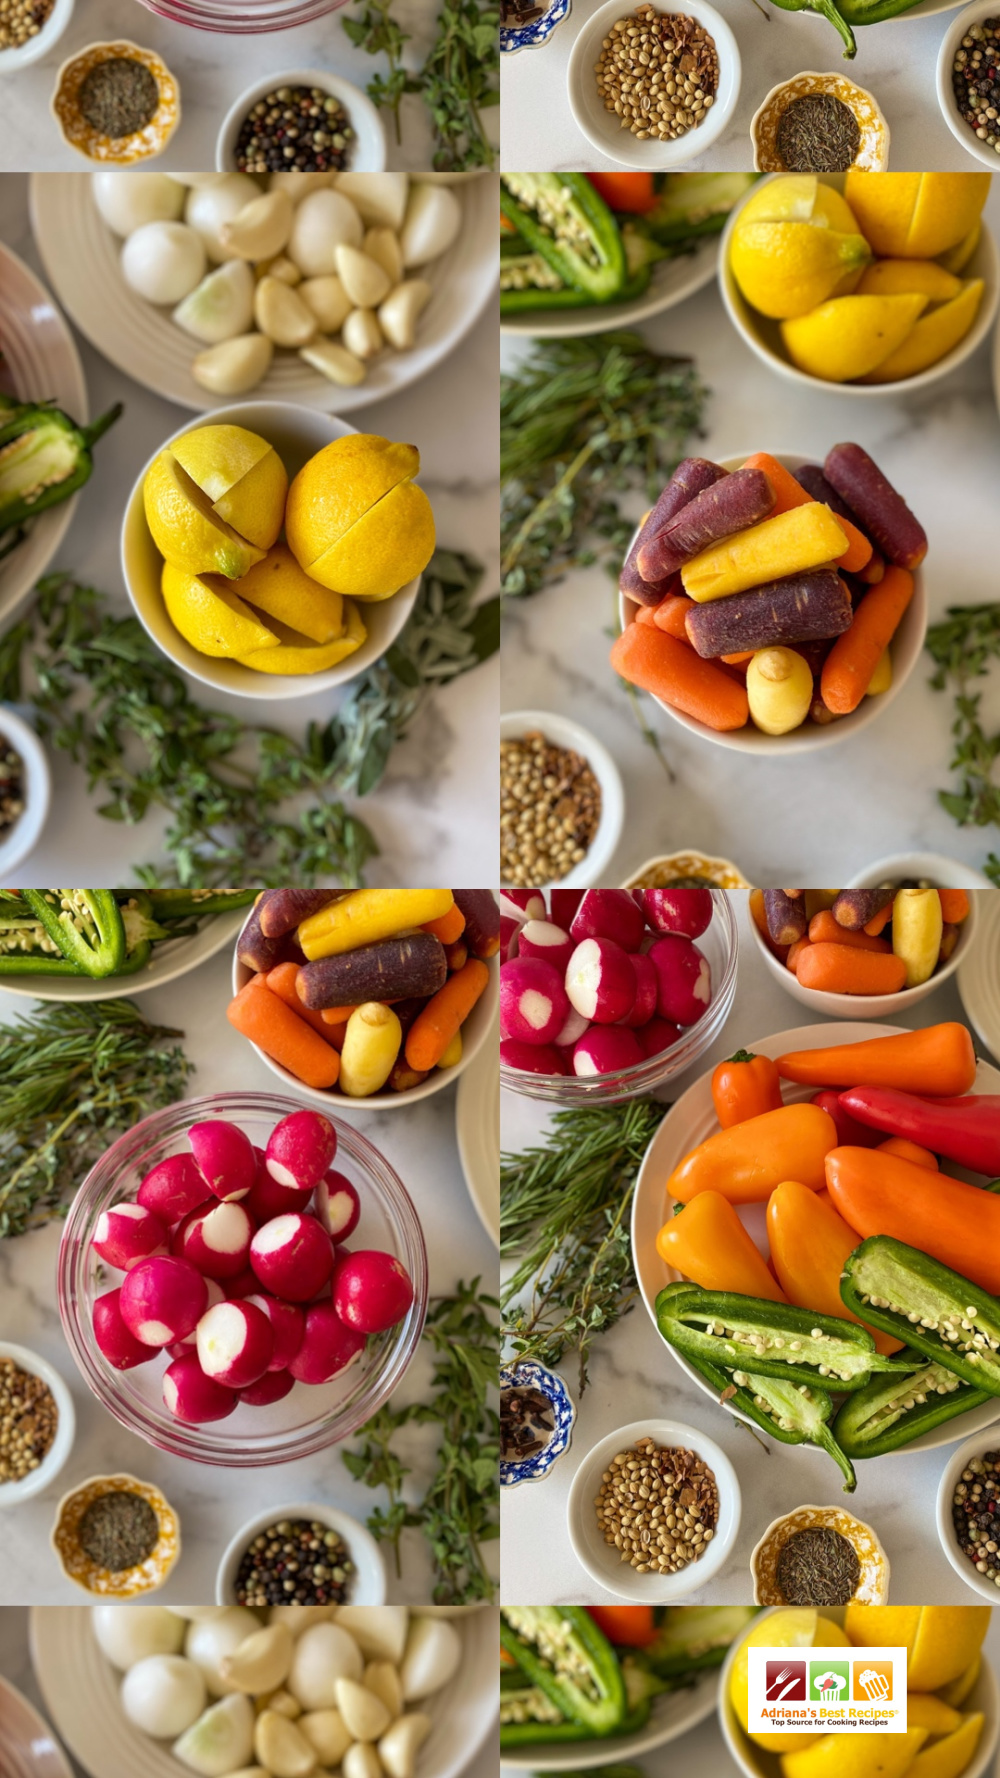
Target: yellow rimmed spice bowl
{"points": [[687, 867], [871, 1585], [766, 126], [81, 1565], [119, 80]]}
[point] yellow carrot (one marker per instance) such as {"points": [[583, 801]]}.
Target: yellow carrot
{"points": [[367, 915]]}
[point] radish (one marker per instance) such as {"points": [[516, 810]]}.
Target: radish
{"points": [[647, 986], [267, 1198], [287, 1324], [216, 1239], [609, 913], [272, 1386], [185, 1348], [328, 1346], [162, 1300], [509, 930], [659, 1034], [174, 1188], [522, 904], [292, 1256], [687, 911], [127, 1233], [563, 904], [190, 1395], [235, 1344], [685, 979], [575, 1026], [338, 1206], [373, 1291], [300, 1149], [604, 1049], [533, 1003], [120, 1347], [245, 1283], [539, 938], [225, 1157], [600, 981], [532, 1058]]}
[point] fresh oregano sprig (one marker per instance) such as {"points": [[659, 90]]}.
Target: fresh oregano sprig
{"points": [[459, 80], [965, 646]]}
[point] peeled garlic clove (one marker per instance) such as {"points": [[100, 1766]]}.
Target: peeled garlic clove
{"points": [[262, 1662], [299, 1617], [299, 185], [382, 1678], [335, 362], [364, 279], [433, 1652], [235, 366], [400, 1744], [210, 207], [364, 1714], [323, 220], [328, 300], [282, 267], [362, 334], [283, 1702], [221, 306], [378, 1630], [282, 1748], [361, 1761], [377, 197], [382, 245], [327, 1733], [261, 229], [220, 1741], [282, 315], [399, 313], [433, 219]]}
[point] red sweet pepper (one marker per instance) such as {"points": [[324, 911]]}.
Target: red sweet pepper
{"points": [[633, 192], [627, 1626], [850, 1134], [965, 1129]]}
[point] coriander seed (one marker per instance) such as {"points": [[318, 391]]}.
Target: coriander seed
{"points": [[550, 810], [658, 1506], [21, 20], [658, 72], [29, 1420]]}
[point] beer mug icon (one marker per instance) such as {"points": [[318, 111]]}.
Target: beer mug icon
{"points": [[874, 1685]]}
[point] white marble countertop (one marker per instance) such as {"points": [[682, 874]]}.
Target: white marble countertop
{"points": [[817, 817], [435, 812], [633, 1374], [211, 1502], [896, 62]]}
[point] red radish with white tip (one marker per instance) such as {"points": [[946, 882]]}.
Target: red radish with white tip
{"points": [[191, 1396], [563, 904], [246, 1283], [600, 981], [522, 904], [604, 1049], [533, 1058], [216, 1239], [267, 1198], [225, 1158], [328, 1346], [685, 989], [338, 1206], [300, 1149], [174, 1188], [647, 987], [235, 1344], [373, 1291], [533, 1002], [163, 1300], [287, 1324], [120, 1347], [658, 1035], [272, 1386], [609, 913], [509, 930], [575, 1026], [183, 1348], [686, 911], [127, 1233], [292, 1256], [550, 944]]}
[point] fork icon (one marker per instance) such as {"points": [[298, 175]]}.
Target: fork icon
{"points": [[782, 1683]]}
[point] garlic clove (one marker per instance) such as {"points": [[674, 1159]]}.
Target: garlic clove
{"points": [[299, 1617], [220, 1741], [235, 366], [281, 314], [399, 313], [433, 1652], [281, 1701], [364, 1714], [323, 220], [328, 300], [361, 1761], [432, 223], [399, 1746], [362, 334], [282, 267], [364, 280], [335, 362], [379, 1630], [378, 197], [221, 306], [262, 1662], [282, 1748], [382, 1678], [382, 245], [299, 185], [327, 1733], [261, 229]]}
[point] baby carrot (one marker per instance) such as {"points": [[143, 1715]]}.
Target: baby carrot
{"points": [[337, 1015], [879, 921], [258, 1014], [670, 613], [843, 969], [823, 928], [646, 614], [909, 1151], [854, 656], [788, 493], [672, 671], [738, 660], [954, 906], [447, 927], [281, 981], [445, 1013], [794, 953]]}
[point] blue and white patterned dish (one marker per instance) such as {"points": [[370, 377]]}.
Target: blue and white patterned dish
{"points": [[535, 1376], [530, 36]]}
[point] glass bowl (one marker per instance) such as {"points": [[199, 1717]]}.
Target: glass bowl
{"points": [[311, 1417], [242, 16], [720, 944]]}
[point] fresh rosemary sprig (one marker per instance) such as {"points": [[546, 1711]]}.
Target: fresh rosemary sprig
{"points": [[458, 81], [459, 1511], [564, 1206], [73, 1077], [964, 646]]}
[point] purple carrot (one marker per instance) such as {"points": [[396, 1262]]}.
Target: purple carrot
{"points": [[742, 499], [800, 608], [691, 477]]}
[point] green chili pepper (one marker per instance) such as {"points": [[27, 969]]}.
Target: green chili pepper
{"points": [[747, 1334], [697, 1637], [879, 1419], [792, 1413], [873, 12], [191, 904], [44, 457], [561, 1650], [915, 1298], [562, 218], [25, 945], [836, 11], [99, 948]]}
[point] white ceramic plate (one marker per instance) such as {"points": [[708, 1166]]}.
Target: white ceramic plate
{"points": [[672, 281], [477, 1127], [28, 1748], [174, 957], [40, 363], [80, 1689], [672, 1715], [979, 973], [689, 1122], [81, 257]]}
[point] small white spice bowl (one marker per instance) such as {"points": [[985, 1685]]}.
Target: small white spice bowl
{"points": [[603, 1562], [602, 128], [13, 60], [562, 732], [23, 836], [962, 131], [365, 154], [12, 1493], [987, 1440], [932, 867], [368, 1581]]}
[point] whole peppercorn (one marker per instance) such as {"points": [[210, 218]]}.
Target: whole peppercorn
{"points": [[295, 1562], [295, 129]]}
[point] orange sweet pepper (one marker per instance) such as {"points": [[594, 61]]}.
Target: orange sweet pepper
{"points": [[938, 1061], [743, 1087], [809, 1244], [881, 1194], [707, 1242], [627, 1626], [746, 1162]]}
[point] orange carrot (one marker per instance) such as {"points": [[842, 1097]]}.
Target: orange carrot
{"points": [[337, 1015], [337, 1035], [672, 671], [880, 921], [670, 613], [954, 906], [738, 660], [854, 656], [844, 969], [823, 928], [258, 1014], [875, 569], [909, 1151], [456, 956], [445, 1013], [788, 493], [281, 981], [794, 953], [646, 614], [448, 927]]}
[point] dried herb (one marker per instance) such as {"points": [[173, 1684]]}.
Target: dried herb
{"points": [[817, 1566], [818, 134], [118, 1531], [458, 81], [73, 1077], [118, 97], [964, 646]]}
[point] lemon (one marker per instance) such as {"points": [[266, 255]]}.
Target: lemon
{"points": [[952, 1754], [941, 1640], [799, 197], [391, 544], [957, 258], [925, 1711], [241, 474], [898, 277], [795, 244], [337, 486], [849, 335], [916, 215], [866, 1756], [294, 653], [933, 336], [283, 590], [959, 1689], [782, 1629], [213, 619], [186, 530]]}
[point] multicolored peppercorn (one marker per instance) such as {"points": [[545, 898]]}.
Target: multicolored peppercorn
{"points": [[295, 129], [295, 1562]]}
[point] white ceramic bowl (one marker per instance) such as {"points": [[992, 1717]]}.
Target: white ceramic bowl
{"points": [[297, 433], [28, 1748], [368, 1584], [959, 1460], [26, 832], [722, 872], [673, 1714], [764, 338], [12, 60], [672, 282], [367, 152], [868, 1006], [962, 131], [603, 1562], [906, 647], [602, 128], [170, 959], [948, 873], [12, 1493], [563, 732]]}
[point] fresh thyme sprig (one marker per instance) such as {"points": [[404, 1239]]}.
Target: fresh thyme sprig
{"points": [[964, 646], [459, 80], [377, 32]]}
